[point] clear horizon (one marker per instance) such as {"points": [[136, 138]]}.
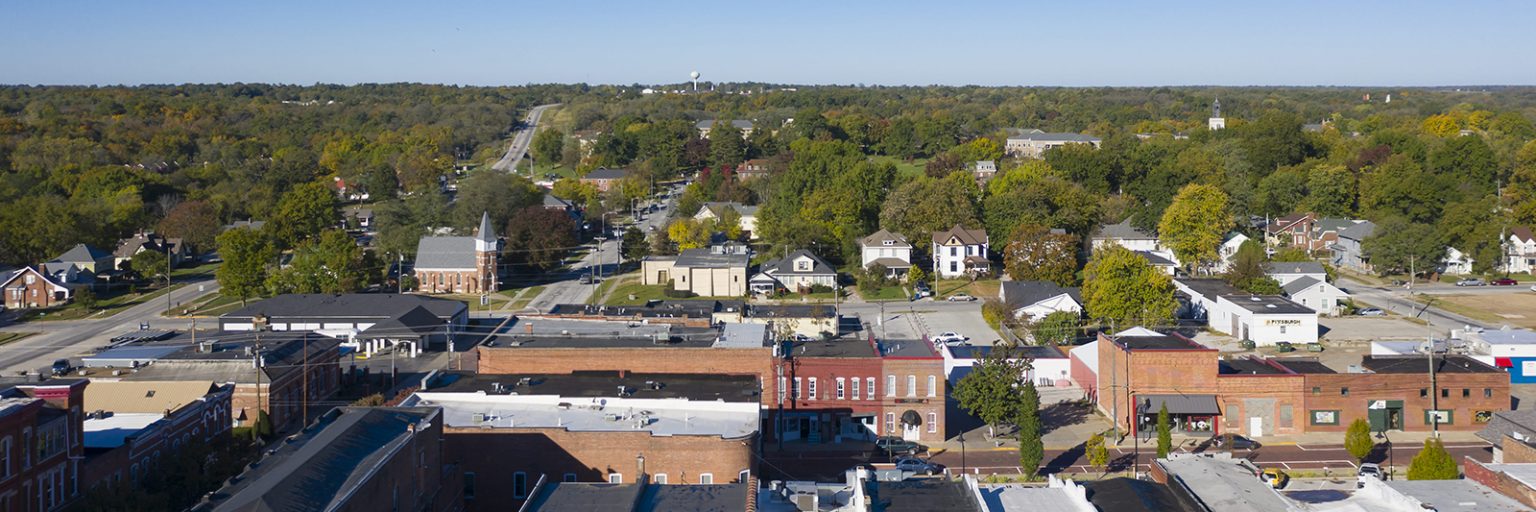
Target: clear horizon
{"points": [[1085, 44]]}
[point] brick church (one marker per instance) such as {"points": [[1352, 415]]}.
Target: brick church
{"points": [[459, 264]]}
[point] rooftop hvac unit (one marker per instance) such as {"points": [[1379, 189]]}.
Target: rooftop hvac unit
{"points": [[478, 418]]}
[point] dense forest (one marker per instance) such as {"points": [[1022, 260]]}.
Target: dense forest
{"points": [[1446, 167]]}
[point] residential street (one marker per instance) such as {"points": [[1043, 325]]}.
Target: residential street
{"points": [[73, 338], [569, 290], [521, 139], [1395, 300]]}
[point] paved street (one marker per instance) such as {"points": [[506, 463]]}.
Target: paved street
{"points": [[569, 290], [1396, 301], [74, 338], [521, 139]]}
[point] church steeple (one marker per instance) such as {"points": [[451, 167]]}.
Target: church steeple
{"points": [[1216, 107], [1217, 122], [485, 237]]}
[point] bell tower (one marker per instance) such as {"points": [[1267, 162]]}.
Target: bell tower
{"points": [[486, 249], [1217, 122]]}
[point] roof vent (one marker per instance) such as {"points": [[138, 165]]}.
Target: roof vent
{"points": [[1270, 306], [1255, 299]]}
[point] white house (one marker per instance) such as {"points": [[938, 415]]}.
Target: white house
{"points": [[959, 251], [1456, 262], [1163, 261], [1033, 300], [1228, 251], [889, 250], [748, 215], [1129, 237], [1520, 250], [1263, 319], [1284, 272], [800, 270], [1315, 294]]}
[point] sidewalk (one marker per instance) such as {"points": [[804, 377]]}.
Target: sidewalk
{"points": [[1313, 438]]}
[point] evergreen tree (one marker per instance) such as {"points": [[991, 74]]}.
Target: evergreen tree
{"points": [[1164, 432], [1031, 447], [1433, 463], [1098, 454], [1358, 439]]}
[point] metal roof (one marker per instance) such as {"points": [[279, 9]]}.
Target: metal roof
{"points": [[446, 252], [144, 396], [1122, 231], [1019, 294], [1178, 404]]}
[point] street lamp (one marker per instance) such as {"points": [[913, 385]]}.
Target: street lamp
{"points": [[961, 439], [1382, 434]]}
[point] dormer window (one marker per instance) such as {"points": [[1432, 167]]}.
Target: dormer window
{"points": [[803, 265]]}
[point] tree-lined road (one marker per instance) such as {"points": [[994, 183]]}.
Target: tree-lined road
{"points": [[521, 139]]}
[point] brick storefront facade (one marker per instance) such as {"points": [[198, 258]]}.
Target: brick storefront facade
{"points": [[920, 388], [1352, 395]]}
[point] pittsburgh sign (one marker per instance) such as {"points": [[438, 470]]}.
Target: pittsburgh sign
{"points": [[1282, 322]]}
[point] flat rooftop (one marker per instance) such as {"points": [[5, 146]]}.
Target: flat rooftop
{"points": [[926, 495], [535, 326], [1159, 342], [1029, 351], [907, 348], [1420, 364], [791, 311], [1457, 496], [1223, 483], [837, 347], [1209, 288], [1268, 304], [729, 388], [1247, 366], [593, 341], [113, 431], [1305, 365], [661, 417]]}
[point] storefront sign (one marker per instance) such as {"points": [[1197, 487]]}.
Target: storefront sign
{"points": [[1274, 321]]}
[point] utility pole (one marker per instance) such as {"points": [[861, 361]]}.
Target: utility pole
{"points": [[259, 322], [1434, 394], [305, 400]]}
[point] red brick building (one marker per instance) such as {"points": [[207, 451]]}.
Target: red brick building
{"points": [[459, 264], [29, 288], [41, 445], [1258, 397], [506, 433], [130, 426]]}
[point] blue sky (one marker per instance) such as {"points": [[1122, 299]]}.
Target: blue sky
{"points": [[1065, 42]]}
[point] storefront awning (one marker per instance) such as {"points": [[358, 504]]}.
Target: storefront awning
{"points": [[1178, 404]]}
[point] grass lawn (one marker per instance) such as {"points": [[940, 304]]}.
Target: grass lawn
{"points": [[981, 288], [7, 337], [619, 290], [904, 168], [1515, 309], [888, 293], [204, 270], [541, 168], [528, 295]]}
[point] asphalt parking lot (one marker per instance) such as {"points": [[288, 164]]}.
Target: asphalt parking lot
{"points": [[1359, 328], [913, 320]]}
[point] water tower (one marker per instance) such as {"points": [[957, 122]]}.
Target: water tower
{"points": [[695, 76]]}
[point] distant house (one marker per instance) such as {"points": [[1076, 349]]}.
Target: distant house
{"points": [[798, 271], [128, 247], [1162, 261], [1520, 250], [1034, 143], [459, 264], [1456, 262], [554, 203], [716, 271], [1316, 294], [86, 258], [958, 251], [752, 169], [984, 170], [1130, 237], [1325, 232], [1032, 300], [1227, 253], [1347, 251], [741, 124], [604, 178], [363, 217], [748, 214], [32, 288], [887, 249], [1293, 230]]}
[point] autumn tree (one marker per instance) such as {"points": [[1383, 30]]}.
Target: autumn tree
{"points": [[1097, 452], [1357, 441], [547, 146], [1123, 288], [539, 237], [1433, 463], [688, 233], [303, 213], [1036, 253], [194, 222], [1195, 224]]}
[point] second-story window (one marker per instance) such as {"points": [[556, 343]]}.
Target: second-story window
{"points": [[840, 391], [890, 385], [911, 385], [933, 386], [870, 392], [855, 388], [813, 388]]}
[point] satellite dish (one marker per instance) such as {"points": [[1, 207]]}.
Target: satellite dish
{"points": [[694, 74]]}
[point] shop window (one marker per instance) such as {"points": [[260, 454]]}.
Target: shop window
{"points": [[1444, 416], [1324, 417], [1481, 417]]}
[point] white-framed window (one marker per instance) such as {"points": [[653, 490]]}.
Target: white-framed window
{"points": [[933, 422], [933, 386], [812, 389], [706, 478], [855, 388], [841, 392], [869, 383], [661, 478], [570, 477], [744, 475], [890, 385], [519, 485], [615, 478], [911, 385], [796, 391], [890, 422], [783, 387]]}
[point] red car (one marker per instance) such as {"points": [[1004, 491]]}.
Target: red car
{"points": [[1504, 282]]}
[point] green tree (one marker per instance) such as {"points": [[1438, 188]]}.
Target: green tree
{"points": [[1331, 191], [635, 247], [1039, 199], [1398, 246], [1034, 253], [1164, 432], [498, 194], [1433, 463], [303, 213], [86, 297], [1357, 441], [1031, 447], [991, 391], [1247, 270], [246, 253], [539, 237], [148, 264], [1097, 452], [194, 222], [922, 206], [1122, 287], [1193, 226], [330, 263], [726, 147], [1057, 328], [547, 146]]}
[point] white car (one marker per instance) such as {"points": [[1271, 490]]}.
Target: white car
{"points": [[948, 337]]}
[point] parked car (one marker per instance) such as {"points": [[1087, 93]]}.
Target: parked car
{"points": [[1234, 442], [961, 297], [949, 337], [1370, 312], [1369, 470], [1504, 281], [893, 445], [1471, 281], [921, 290], [917, 465], [62, 367], [587, 279], [1275, 478], [1533, 287]]}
